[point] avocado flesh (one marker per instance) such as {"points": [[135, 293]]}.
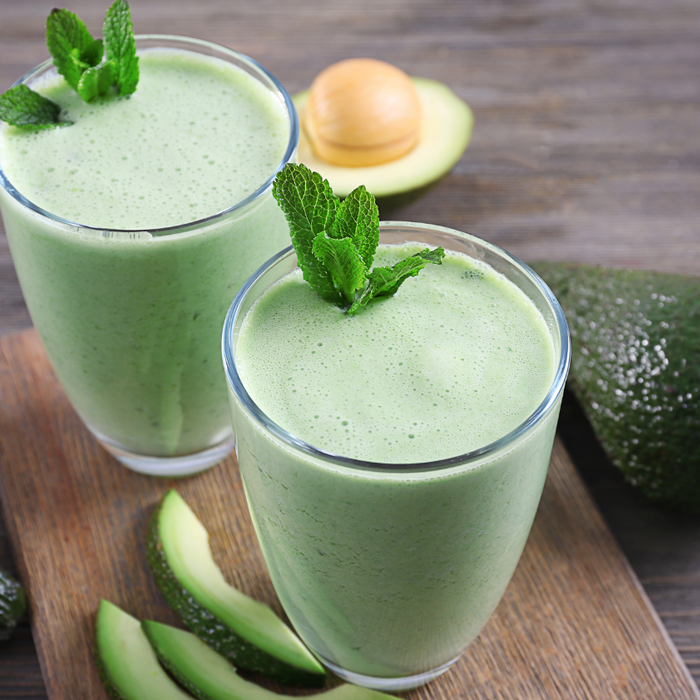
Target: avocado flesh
{"points": [[127, 664], [208, 676], [246, 631], [446, 127], [636, 371]]}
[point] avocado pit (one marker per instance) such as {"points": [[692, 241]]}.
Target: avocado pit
{"points": [[362, 112]]}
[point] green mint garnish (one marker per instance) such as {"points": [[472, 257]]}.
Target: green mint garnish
{"points": [[79, 59], [358, 219], [71, 45], [23, 107], [343, 266], [335, 241], [385, 281], [96, 81], [309, 205], [120, 46]]}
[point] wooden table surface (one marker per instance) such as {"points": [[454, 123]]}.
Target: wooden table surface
{"points": [[586, 147]]}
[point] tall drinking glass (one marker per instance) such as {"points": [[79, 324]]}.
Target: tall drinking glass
{"points": [[130, 318], [389, 571]]}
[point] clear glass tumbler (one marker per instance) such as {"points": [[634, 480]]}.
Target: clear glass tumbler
{"points": [[389, 599], [146, 378]]}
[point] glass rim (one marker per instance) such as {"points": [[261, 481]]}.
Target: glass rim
{"points": [[291, 148], [542, 410]]}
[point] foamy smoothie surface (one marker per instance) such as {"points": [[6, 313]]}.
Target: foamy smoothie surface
{"points": [[455, 360], [197, 136]]}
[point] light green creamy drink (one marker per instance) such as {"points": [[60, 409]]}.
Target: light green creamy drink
{"points": [[389, 568], [131, 319], [458, 360]]}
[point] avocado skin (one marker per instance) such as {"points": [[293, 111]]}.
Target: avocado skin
{"points": [[13, 604], [105, 679], [210, 629], [636, 372]]}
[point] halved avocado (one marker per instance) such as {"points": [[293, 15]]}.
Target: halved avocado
{"points": [[446, 127], [208, 676], [126, 662], [245, 631]]}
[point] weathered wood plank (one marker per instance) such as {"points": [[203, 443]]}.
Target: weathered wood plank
{"points": [[573, 623], [661, 546]]}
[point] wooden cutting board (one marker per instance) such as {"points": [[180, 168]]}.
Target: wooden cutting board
{"points": [[574, 622]]}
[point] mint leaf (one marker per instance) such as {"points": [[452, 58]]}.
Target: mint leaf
{"points": [[78, 57], [120, 46], [434, 256], [357, 218], [92, 54], [335, 241], [309, 205], [71, 45], [21, 106], [385, 281], [97, 81], [342, 260]]}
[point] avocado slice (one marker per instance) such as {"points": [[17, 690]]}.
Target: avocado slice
{"points": [[126, 662], [208, 676], [446, 127], [245, 631], [636, 371]]}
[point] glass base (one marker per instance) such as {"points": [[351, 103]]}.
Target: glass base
{"points": [[182, 465], [383, 684]]}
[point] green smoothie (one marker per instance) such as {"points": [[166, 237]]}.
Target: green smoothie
{"points": [[132, 320], [389, 572]]}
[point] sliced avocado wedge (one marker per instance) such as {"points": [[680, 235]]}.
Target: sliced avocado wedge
{"points": [[636, 371], [208, 676], [446, 127], [245, 631], [126, 662]]}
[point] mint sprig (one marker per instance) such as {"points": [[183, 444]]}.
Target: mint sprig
{"points": [[20, 106], [92, 67], [71, 45], [79, 58], [335, 241]]}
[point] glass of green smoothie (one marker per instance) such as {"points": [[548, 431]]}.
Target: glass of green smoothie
{"points": [[393, 460], [131, 231]]}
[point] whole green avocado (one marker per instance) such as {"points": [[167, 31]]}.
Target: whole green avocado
{"points": [[636, 371]]}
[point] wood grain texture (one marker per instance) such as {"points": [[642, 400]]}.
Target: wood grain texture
{"points": [[573, 623], [662, 546]]}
